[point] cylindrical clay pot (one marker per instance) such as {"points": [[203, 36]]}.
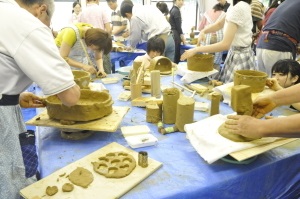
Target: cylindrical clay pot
{"points": [[184, 112], [170, 97]]}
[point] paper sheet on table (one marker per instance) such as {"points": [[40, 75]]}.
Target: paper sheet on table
{"points": [[189, 76], [210, 145], [94, 86], [225, 90]]}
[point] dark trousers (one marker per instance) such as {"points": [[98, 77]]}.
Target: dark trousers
{"points": [[177, 41]]}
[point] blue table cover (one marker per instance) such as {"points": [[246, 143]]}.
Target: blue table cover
{"points": [[184, 174]]}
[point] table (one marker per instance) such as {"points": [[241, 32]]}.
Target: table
{"points": [[120, 59], [184, 174]]}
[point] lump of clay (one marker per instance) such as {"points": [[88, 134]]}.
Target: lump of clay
{"points": [[81, 177], [67, 187], [51, 190], [161, 63], [234, 137], [91, 105], [115, 165]]}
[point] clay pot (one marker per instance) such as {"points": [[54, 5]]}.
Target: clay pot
{"points": [[161, 63], [82, 78], [91, 105], [255, 79], [201, 62]]}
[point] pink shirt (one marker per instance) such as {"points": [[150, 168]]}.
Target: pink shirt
{"points": [[209, 18], [95, 15]]}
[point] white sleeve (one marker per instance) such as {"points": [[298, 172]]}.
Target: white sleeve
{"points": [[236, 14], [43, 64]]}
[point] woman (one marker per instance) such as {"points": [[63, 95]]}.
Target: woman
{"points": [[237, 38], [210, 17], [74, 41], [163, 7], [285, 73], [76, 12], [175, 21]]}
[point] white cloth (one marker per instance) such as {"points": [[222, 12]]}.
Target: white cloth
{"points": [[210, 145], [240, 14], [189, 76], [28, 53]]}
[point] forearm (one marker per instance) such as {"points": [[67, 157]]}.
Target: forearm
{"points": [[217, 47], [74, 63], [117, 30], [281, 127], [287, 96]]}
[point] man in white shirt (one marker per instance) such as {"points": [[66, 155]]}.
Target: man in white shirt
{"points": [[27, 54], [147, 21]]}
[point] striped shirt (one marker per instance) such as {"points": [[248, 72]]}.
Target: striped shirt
{"points": [[117, 20]]}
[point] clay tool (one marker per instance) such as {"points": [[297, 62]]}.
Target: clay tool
{"points": [[143, 159], [183, 87], [168, 130]]}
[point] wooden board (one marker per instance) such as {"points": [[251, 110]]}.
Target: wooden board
{"points": [[248, 153], [101, 187], [109, 123]]}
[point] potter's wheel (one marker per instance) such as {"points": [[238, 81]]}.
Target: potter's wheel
{"points": [[73, 134]]}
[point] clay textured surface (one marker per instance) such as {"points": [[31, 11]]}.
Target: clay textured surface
{"points": [[115, 165], [82, 78], [255, 79], [161, 63], [51, 190], [67, 187], [81, 177], [234, 137], [201, 62], [92, 105]]}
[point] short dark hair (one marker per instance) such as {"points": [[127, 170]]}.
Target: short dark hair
{"points": [[156, 44], [286, 66], [218, 7], [113, 1], [126, 7], [163, 7]]}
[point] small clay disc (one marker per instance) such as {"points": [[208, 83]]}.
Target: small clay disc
{"points": [[67, 187], [81, 177], [234, 137]]}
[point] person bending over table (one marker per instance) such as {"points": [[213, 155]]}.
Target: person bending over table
{"points": [[27, 54], [237, 38], [285, 73], [278, 127], [73, 42]]}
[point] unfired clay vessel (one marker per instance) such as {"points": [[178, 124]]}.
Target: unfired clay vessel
{"points": [[92, 105], [201, 62], [82, 78], [255, 79], [161, 63]]}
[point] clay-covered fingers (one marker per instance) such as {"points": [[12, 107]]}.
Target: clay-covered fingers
{"points": [[269, 82], [187, 54]]}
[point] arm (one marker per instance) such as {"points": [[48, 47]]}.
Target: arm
{"points": [[65, 51], [70, 96], [108, 27], [277, 127], [218, 25], [229, 34], [99, 62], [135, 34]]}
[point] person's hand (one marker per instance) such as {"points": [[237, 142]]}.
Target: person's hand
{"points": [[29, 100], [201, 38], [273, 84], [262, 105], [125, 34], [101, 73], [90, 69], [188, 53], [244, 125]]}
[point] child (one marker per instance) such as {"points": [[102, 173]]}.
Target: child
{"points": [[155, 47], [285, 73]]}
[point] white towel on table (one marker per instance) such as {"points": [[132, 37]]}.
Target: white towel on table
{"points": [[210, 145], [189, 76]]}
